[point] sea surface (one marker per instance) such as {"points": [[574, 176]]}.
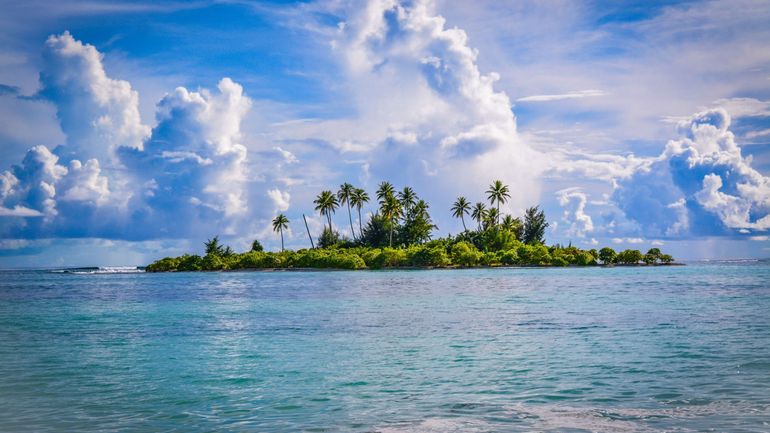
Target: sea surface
{"points": [[499, 350]]}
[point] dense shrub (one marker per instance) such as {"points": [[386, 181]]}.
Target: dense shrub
{"points": [[252, 260], [533, 255], [393, 257], [585, 259], [328, 258], [490, 258], [189, 263], [509, 257], [559, 261], [166, 264], [465, 254], [459, 251], [212, 262], [426, 255]]}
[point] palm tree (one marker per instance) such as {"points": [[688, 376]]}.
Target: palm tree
{"points": [[214, 247], [357, 199], [498, 193], [420, 209], [391, 210], [279, 224], [408, 199], [384, 189], [460, 208], [326, 203], [491, 218], [344, 195], [510, 223], [479, 213]]}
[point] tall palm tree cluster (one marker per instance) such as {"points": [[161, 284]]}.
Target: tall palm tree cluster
{"points": [[531, 230], [403, 216], [497, 194], [402, 213]]}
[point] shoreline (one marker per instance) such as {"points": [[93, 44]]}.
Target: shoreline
{"points": [[423, 268]]}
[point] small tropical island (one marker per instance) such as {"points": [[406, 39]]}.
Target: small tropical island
{"points": [[398, 235]]}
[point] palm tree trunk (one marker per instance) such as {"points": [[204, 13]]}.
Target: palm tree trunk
{"points": [[360, 225], [281, 230], [312, 245], [497, 218], [463, 220], [391, 232], [350, 217]]}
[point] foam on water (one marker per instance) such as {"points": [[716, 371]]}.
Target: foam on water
{"points": [[99, 270]]}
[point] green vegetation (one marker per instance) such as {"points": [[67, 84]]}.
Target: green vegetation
{"points": [[398, 235]]}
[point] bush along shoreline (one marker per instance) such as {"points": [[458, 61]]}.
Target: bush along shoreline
{"points": [[398, 235]]}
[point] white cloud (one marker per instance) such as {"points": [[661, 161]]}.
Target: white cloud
{"points": [[561, 96], [85, 183], [281, 199], [759, 133], [573, 200], [98, 114], [701, 183], [628, 240], [426, 111], [288, 157], [188, 173], [19, 211]]}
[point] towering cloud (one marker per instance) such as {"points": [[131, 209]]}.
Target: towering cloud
{"points": [[193, 164], [444, 123], [98, 114]]}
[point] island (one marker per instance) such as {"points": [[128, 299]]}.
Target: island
{"points": [[399, 235]]}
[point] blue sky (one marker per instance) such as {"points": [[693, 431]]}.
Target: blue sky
{"points": [[135, 130]]}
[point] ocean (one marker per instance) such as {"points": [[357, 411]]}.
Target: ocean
{"points": [[682, 348]]}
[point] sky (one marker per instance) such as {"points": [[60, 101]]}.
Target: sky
{"points": [[131, 131]]}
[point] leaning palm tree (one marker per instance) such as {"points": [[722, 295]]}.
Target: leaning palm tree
{"points": [[344, 195], [408, 199], [279, 224], [479, 213], [326, 203], [391, 210], [357, 199], [498, 193], [460, 208], [384, 189]]}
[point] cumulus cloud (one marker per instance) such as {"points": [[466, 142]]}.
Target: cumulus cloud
{"points": [[32, 184], [98, 114], [433, 113], [701, 184], [195, 152], [187, 173], [280, 199]]}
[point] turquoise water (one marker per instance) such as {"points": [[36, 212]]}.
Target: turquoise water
{"points": [[624, 349]]}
